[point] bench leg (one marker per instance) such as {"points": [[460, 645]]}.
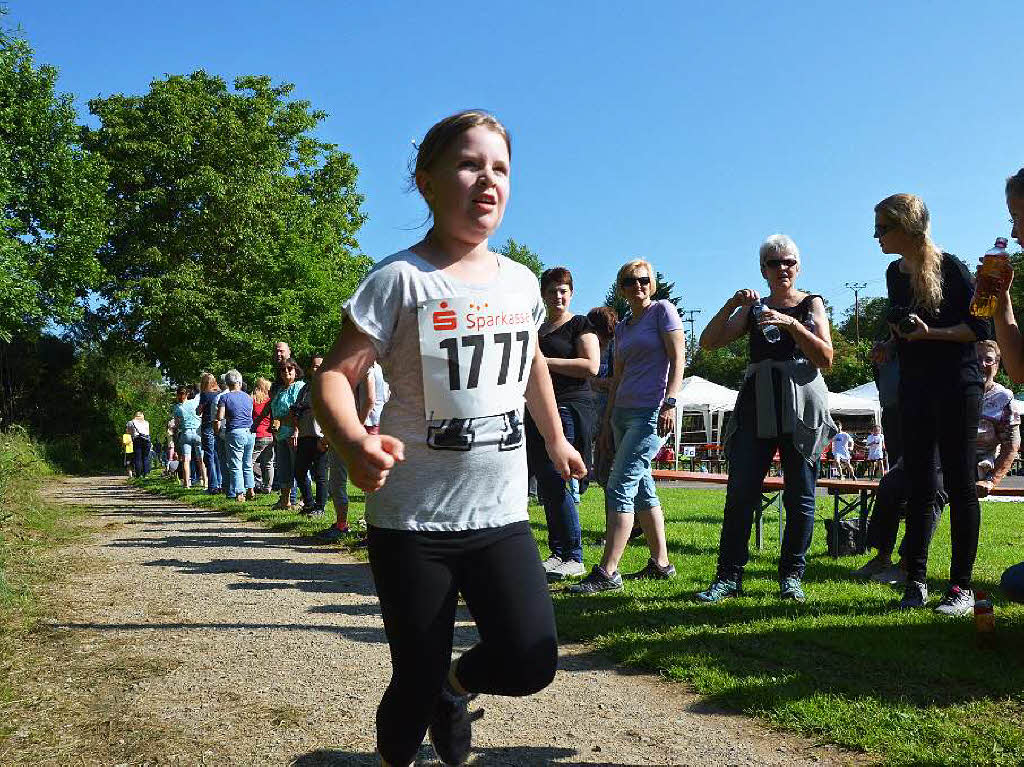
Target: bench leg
{"points": [[835, 528]]}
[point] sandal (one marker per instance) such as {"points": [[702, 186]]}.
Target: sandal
{"points": [[281, 506]]}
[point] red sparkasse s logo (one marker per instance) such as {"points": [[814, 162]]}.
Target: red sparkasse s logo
{"points": [[445, 320]]}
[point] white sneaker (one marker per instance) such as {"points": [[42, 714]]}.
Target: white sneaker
{"points": [[568, 569], [551, 563]]}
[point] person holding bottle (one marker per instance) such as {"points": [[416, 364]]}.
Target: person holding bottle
{"points": [[940, 393], [454, 326], [782, 405]]}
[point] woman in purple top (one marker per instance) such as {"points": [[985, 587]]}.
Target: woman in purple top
{"points": [[650, 352], [234, 413]]}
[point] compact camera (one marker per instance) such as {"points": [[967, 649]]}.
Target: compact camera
{"points": [[900, 316]]}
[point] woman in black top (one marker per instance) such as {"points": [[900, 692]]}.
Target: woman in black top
{"points": [[940, 392], [782, 405], [570, 346]]}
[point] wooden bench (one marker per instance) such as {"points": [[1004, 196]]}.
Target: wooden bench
{"points": [[863, 490]]}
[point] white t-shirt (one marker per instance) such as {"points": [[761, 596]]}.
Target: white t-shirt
{"points": [[459, 473], [137, 428], [875, 444], [841, 446]]}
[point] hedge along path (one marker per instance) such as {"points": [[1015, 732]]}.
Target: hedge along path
{"points": [[196, 638]]}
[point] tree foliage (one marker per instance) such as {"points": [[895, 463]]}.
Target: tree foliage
{"points": [[51, 197], [232, 226], [725, 366], [873, 323], [522, 254]]}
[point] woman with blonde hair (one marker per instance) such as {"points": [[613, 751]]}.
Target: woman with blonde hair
{"points": [[649, 359], [263, 450], [940, 392], [207, 410]]}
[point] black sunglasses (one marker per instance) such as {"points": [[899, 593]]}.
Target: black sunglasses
{"points": [[626, 282], [775, 263]]}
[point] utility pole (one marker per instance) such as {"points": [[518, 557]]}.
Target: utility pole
{"points": [[688, 320], [856, 287]]}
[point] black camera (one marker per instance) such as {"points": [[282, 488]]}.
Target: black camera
{"points": [[900, 316]]}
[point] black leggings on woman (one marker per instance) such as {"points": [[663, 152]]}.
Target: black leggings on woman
{"points": [[946, 415], [419, 576]]}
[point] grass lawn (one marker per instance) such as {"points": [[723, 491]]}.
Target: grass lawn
{"points": [[911, 688]]}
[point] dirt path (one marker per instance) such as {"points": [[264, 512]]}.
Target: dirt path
{"points": [[194, 638]]}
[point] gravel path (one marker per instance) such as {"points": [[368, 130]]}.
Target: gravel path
{"points": [[260, 648]]}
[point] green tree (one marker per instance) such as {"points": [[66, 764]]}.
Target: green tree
{"points": [[873, 324], [851, 365], [665, 290], [522, 254], [725, 366], [232, 226], [51, 197]]}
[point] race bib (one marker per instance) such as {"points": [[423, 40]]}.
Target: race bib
{"points": [[476, 355]]}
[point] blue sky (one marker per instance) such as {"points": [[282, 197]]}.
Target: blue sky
{"points": [[682, 132]]}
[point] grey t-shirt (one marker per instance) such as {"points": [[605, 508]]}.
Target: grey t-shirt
{"points": [[458, 473]]}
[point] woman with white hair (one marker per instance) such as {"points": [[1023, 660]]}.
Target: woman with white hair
{"points": [[234, 418], [782, 405]]}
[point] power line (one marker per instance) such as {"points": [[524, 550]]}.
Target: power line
{"points": [[856, 287]]}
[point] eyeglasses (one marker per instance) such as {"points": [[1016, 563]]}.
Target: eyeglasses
{"points": [[883, 229], [776, 263], [627, 282], [986, 361]]}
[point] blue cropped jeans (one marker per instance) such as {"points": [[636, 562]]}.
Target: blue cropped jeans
{"points": [[630, 486], [210, 440]]}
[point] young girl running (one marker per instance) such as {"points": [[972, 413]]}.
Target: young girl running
{"points": [[454, 326]]}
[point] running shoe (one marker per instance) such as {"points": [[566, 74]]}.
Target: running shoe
{"points": [[551, 563], [915, 596], [332, 534], [598, 580], [720, 588], [956, 601], [570, 568], [790, 588], [652, 572], [451, 729]]}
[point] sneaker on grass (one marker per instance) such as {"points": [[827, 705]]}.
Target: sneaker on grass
{"points": [[790, 588], [451, 729], [894, 575], [915, 596], [720, 588], [872, 567], [652, 572], [570, 568], [332, 534], [956, 601], [598, 580], [551, 563]]}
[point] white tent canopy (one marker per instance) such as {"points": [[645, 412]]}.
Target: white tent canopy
{"points": [[864, 391], [698, 395], [846, 404]]}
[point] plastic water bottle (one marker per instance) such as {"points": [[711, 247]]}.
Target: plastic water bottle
{"points": [[993, 278], [771, 333], [984, 620]]}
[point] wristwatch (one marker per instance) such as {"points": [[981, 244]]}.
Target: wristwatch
{"points": [[668, 402]]}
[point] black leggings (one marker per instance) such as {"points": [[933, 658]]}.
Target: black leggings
{"points": [[419, 576], [933, 414], [309, 458]]}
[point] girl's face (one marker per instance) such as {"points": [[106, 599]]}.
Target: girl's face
{"points": [[557, 297], [288, 375], [1016, 207], [468, 187]]}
